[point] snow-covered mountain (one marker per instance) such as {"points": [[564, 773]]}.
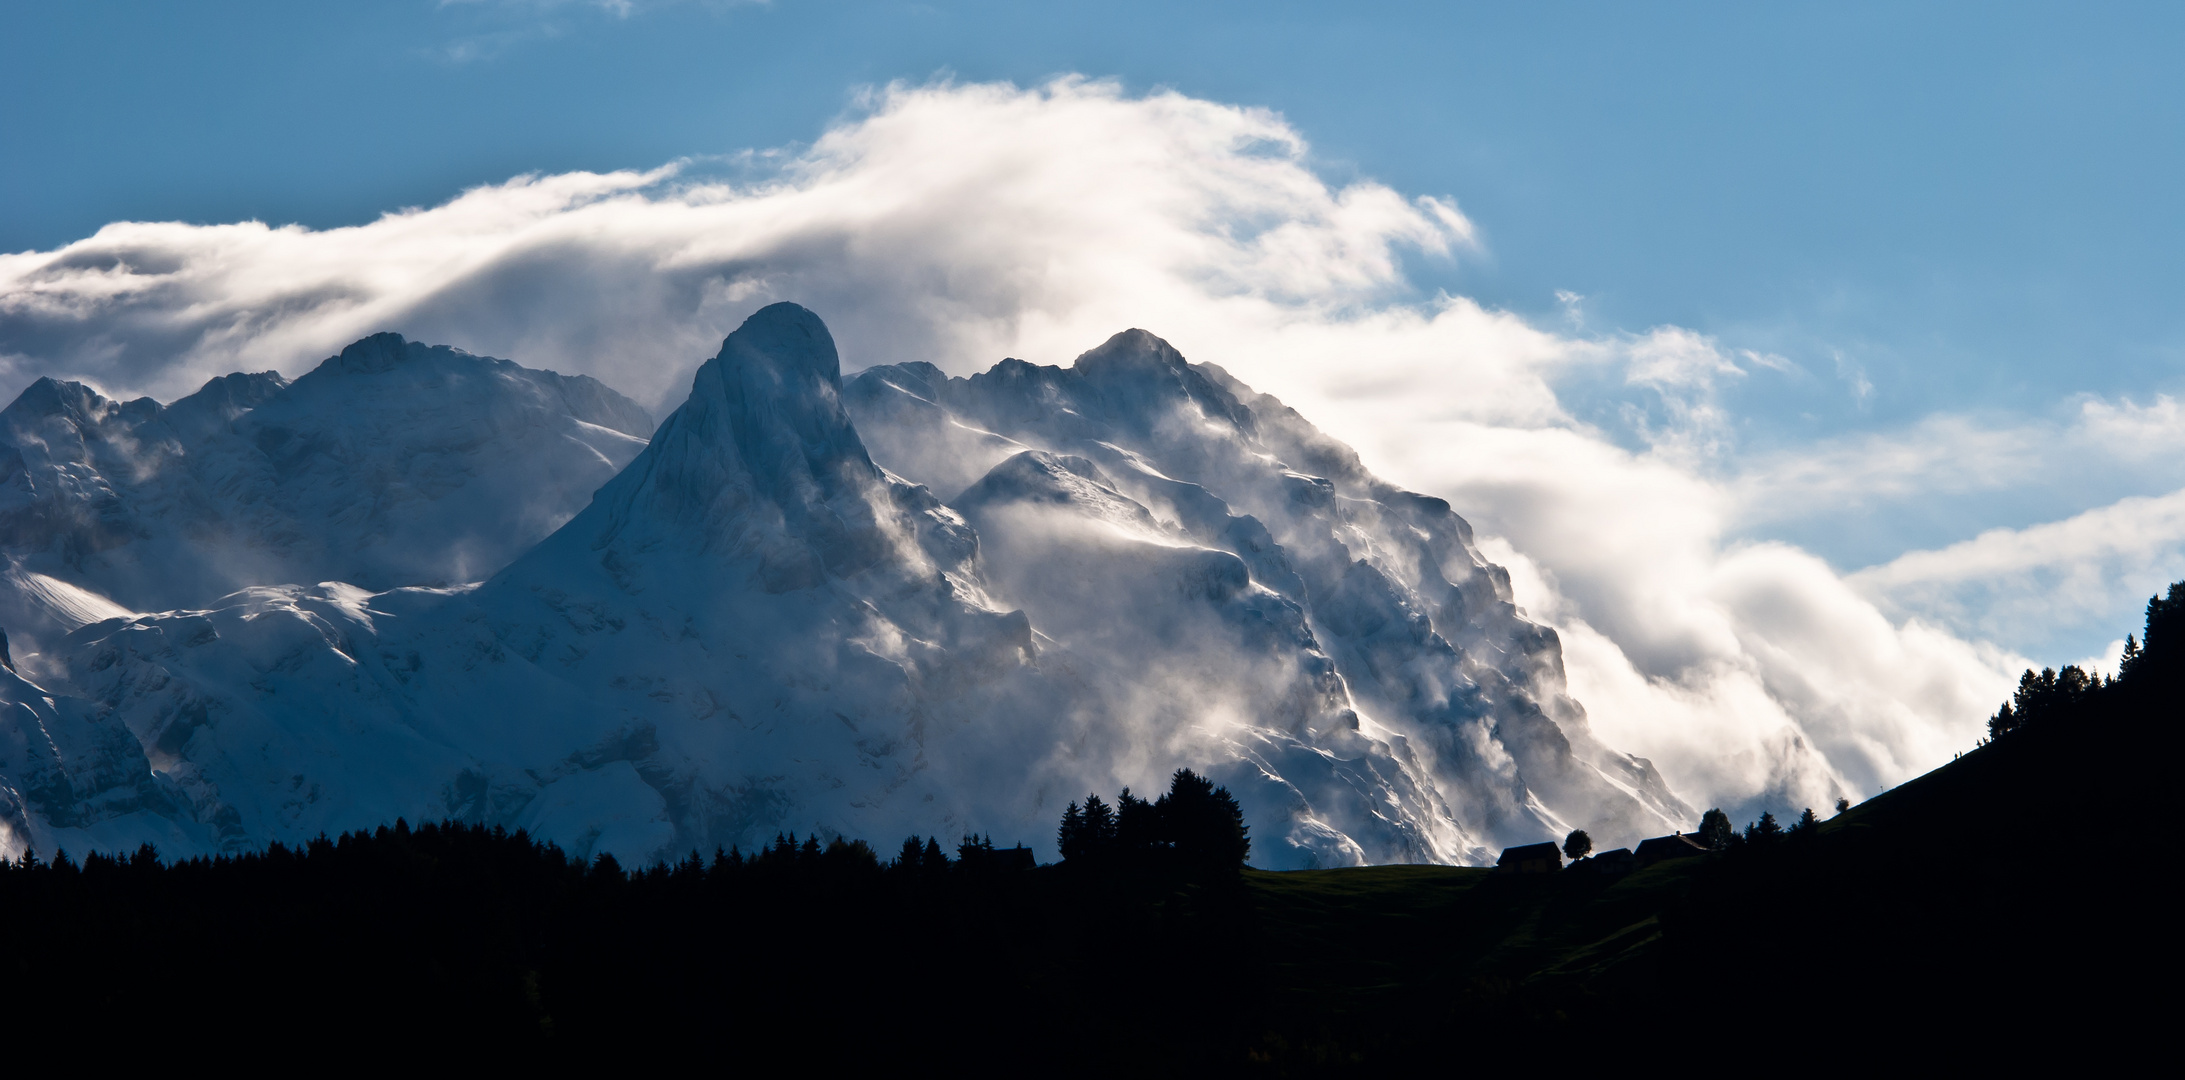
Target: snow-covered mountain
{"points": [[905, 603], [1393, 610], [394, 463]]}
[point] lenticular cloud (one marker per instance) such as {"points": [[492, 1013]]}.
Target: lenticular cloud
{"points": [[957, 224]]}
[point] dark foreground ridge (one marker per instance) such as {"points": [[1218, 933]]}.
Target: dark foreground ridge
{"points": [[2002, 905]]}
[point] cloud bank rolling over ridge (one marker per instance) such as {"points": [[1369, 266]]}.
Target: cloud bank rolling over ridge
{"points": [[962, 223]]}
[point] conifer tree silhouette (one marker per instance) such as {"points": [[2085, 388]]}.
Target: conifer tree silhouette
{"points": [[1098, 836], [1137, 823], [1070, 838], [1763, 831]]}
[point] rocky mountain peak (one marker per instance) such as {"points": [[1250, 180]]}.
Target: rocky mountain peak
{"points": [[75, 405], [220, 401], [1132, 350], [56, 397], [761, 460], [377, 353], [1135, 369], [766, 622], [777, 385]]}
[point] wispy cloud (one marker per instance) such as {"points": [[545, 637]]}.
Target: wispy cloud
{"points": [[1854, 376], [2091, 442], [491, 44], [621, 9], [2090, 564], [494, 27]]}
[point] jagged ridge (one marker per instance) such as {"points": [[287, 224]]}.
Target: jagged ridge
{"points": [[1037, 582]]}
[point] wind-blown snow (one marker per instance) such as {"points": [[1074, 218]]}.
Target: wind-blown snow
{"points": [[1181, 481], [754, 626], [1609, 472]]}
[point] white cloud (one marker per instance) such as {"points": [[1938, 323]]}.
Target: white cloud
{"points": [[950, 223], [2086, 566], [961, 223], [2090, 441], [2073, 533]]}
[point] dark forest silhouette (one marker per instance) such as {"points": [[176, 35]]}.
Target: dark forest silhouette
{"points": [[1196, 825], [2055, 693], [1968, 895]]}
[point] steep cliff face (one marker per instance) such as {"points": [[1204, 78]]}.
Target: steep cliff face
{"points": [[797, 637], [65, 773], [1203, 664], [901, 603], [1417, 624]]}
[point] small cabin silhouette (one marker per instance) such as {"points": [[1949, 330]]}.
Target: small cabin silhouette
{"points": [[1662, 848], [1530, 859], [1610, 863]]}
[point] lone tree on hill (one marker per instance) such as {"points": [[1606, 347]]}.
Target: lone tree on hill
{"points": [[1715, 831], [1577, 845]]}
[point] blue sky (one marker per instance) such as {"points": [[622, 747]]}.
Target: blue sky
{"points": [[1971, 203], [1930, 253]]}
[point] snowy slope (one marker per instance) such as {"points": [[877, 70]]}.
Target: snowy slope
{"points": [[1418, 625], [70, 781], [751, 628], [1203, 665], [393, 463], [754, 626], [797, 636]]}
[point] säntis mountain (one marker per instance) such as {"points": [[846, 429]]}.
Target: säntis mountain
{"points": [[893, 604]]}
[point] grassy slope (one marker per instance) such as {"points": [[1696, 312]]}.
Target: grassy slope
{"points": [[1360, 943]]}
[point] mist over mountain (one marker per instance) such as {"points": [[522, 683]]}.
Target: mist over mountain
{"points": [[1318, 598], [393, 463], [898, 603]]}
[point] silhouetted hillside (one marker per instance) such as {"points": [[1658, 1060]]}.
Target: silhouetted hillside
{"points": [[2009, 902], [2004, 904]]}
